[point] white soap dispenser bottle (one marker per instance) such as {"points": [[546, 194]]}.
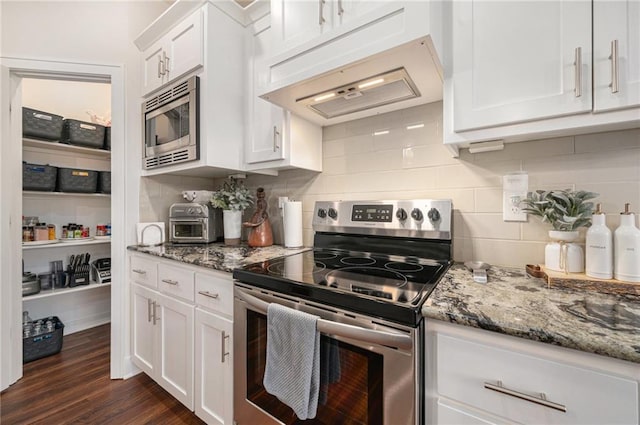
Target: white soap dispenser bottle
{"points": [[626, 248], [599, 244]]}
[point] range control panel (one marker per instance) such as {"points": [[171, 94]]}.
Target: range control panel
{"points": [[421, 218]]}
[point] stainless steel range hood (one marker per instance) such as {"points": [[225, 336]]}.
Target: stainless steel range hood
{"points": [[405, 76]]}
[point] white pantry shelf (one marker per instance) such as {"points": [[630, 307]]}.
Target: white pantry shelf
{"points": [[66, 244], [64, 148], [60, 291], [39, 194]]}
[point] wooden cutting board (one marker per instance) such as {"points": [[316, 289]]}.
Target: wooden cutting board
{"points": [[582, 281]]}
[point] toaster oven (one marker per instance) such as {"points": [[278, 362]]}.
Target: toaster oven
{"points": [[194, 223]]}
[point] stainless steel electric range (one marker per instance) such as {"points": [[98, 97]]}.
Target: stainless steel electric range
{"points": [[372, 266]]}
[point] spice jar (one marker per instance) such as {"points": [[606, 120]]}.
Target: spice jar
{"points": [[26, 234], [41, 232], [51, 229]]}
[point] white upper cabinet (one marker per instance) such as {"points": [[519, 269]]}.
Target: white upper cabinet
{"points": [[616, 54], [175, 54], [275, 138], [519, 61]]}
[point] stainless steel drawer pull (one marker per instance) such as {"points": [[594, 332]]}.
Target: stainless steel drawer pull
{"points": [[170, 282], [578, 69], [224, 349], [614, 67], [139, 271], [542, 400], [155, 313], [208, 294], [149, 310], [340, 8]]}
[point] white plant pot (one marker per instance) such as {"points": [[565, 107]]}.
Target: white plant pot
{"points": [[563, 255], [232, 223]]}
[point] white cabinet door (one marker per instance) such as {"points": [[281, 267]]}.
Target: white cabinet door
{"points": [[616, 54], [264, 141], [143, 329], [298, 21], [175, 346], [520, 61], [214, 368], [348, 10], [185, 47], [152, 73]]}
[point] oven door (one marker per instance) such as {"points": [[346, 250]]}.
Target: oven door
{"points": [[188, 230], [370, 371]]}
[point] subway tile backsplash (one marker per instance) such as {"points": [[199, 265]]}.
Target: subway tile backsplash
{"points": [[405, 164]]}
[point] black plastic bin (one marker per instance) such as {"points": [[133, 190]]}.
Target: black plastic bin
{"points": [[39, 177], [104, 181], [43, 344], [107, 138], [80, 133], [41, 125], [77, 180]]}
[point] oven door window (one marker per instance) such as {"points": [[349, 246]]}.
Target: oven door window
{"points": [[350, 380], [168, 124], [188, 230]]}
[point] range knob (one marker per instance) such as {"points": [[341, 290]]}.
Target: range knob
{"points": [[322, 213], [433, 214], [401, 214], [416, 214], [333, 213]]}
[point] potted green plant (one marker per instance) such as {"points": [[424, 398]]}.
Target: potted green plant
{"points": [[566, 211], [233, 198]]}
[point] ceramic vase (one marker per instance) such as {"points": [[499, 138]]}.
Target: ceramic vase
{"points": [[562, 254], [232, 223]]}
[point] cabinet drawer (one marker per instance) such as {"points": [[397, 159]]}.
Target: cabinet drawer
{"points": [[215, 294], [143, 271], [176, 281], [496, 380]]}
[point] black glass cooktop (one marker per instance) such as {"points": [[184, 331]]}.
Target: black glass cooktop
{"points": [[392, 287]]}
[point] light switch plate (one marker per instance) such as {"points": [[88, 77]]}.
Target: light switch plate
{"points": [[514, 190]]}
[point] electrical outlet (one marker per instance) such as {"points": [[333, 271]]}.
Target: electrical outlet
{"points": [[514, 190]]}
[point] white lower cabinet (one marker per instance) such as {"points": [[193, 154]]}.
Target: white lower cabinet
{"points": [[163, 330], [182, 333], [478, 377]]}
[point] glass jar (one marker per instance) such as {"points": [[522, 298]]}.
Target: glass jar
{"points": [[51, 228], [41, 232]]}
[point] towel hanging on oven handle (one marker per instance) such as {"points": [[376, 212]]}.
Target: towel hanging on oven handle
{"points": [[399, 341]]}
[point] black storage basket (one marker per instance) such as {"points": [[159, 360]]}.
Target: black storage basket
{"points": [[104, 182], [45, 344], [77, 180], [41, 125], [107, 138], [82, 133], [39, 177]]}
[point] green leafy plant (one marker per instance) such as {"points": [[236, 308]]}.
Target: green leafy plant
{"points": [[565, 210], [233, 195]]}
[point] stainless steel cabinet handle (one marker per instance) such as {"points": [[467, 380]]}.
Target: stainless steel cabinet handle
{"points": [[148, 309], [321, 12], [224, 349], [208, 294], [159, 66], [614, 67], [162, 71], [371, 336], [542, 400], [139, 271], [170, 282], [166, 62], [340, 8], [155, 313], [578, 70], [276, 133]]}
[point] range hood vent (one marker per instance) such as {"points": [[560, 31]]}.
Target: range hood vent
{"points": [[379, 90]]}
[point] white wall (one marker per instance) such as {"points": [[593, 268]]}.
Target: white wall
{"points": [[406, 164]]}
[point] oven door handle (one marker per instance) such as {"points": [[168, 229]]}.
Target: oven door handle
{"points": [[393, 340]]}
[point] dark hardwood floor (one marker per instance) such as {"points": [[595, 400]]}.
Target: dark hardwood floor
{"points": [[73, 387]]}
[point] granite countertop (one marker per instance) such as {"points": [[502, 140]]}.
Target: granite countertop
{"points": [[217, 256], [515, 304]]}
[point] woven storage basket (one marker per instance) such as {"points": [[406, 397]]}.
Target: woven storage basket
{"points": [[104, 182], [41, 125], [77, 180], [39, 177], [82, 133], [43, 345], [107, 138]]}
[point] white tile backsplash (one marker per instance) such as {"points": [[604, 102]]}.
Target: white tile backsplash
{"points": [[360, 166]]}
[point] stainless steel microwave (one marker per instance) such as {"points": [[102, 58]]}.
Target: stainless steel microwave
{"points": [[171, 124]]}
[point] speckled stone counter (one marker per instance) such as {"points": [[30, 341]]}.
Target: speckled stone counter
{"points": [[217, 255], [515, 304]]}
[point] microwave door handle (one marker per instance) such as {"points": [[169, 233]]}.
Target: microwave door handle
{"points": [[388, 339]]}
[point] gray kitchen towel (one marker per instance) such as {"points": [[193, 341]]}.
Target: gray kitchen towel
{"points": [[292, 372]]}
